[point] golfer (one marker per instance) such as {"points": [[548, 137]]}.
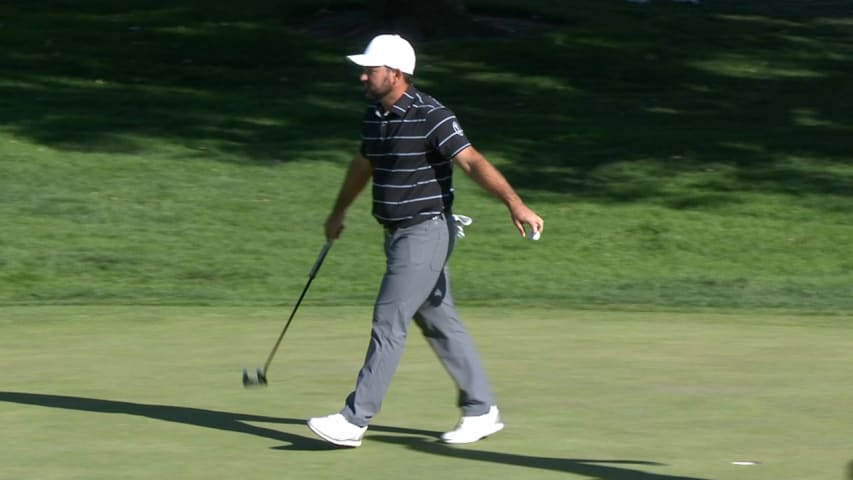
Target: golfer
{"points": [[410, 144]]}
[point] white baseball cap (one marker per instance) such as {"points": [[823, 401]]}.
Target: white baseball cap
{"points": [[387, 51]]}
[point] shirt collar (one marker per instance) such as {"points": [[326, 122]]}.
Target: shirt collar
{"points": [[401, 106]]}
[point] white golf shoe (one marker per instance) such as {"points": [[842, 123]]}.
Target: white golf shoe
{"points": [[472, 429], [337, 430]]}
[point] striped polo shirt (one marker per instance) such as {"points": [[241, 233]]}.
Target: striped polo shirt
{"points": [[411, 147]]}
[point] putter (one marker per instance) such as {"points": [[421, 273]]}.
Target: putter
{"points": [[260, 378]]}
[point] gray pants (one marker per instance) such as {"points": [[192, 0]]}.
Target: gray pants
{"points": [[416, 286]]}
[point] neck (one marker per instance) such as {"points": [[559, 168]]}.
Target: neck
{"points": [[389, 100]]}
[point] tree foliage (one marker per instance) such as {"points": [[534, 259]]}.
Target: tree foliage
{"points": [[422, 19]]}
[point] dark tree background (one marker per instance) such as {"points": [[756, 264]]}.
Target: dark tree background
{"points": [[420, 20], [425, 19]]}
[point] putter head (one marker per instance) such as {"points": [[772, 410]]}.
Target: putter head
{"points": [[259, 380]]}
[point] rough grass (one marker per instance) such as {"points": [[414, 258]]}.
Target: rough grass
{"points": [[683, 156]]}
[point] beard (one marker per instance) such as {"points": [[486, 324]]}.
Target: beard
{"points": [[378, 91]]}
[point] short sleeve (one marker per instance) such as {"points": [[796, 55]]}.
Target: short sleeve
{"points": [[445, 135]]}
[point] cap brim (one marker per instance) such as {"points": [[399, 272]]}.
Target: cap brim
{"points": [[364, 60]]}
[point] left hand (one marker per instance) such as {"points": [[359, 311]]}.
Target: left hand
{"points": [[522, 215]]}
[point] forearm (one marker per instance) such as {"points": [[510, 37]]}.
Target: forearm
{"points": [[358, 174], [490, 179]]}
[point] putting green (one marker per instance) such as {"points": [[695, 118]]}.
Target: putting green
{"points": [[115, 392]]}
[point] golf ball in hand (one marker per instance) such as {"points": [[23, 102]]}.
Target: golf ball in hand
{"points": [[533, 234]]}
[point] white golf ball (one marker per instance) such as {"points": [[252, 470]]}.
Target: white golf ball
{"points": [[534, 235]]}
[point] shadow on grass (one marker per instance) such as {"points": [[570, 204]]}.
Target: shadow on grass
{"points": [[723, 96], [228, 421], [593, 468], [414, 439]]}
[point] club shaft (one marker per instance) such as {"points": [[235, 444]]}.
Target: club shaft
{"points": [[311, 275]]}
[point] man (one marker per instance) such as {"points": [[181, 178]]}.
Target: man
{"points": [[410, 143]]}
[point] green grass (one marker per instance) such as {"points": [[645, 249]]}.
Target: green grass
{"points": [[684, 157], [165, 170], [154, 392]]}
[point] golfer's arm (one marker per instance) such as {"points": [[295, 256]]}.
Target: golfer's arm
{"points": [[475, 165], [359, 173]]}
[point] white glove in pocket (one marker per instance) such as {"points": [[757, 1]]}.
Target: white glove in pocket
{"points": [[461, 222]]}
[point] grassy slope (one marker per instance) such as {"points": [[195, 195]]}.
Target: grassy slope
{"points": [[683, 156], [154, 393]]}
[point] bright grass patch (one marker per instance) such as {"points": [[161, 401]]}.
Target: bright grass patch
{"points": [[140, 393]]}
